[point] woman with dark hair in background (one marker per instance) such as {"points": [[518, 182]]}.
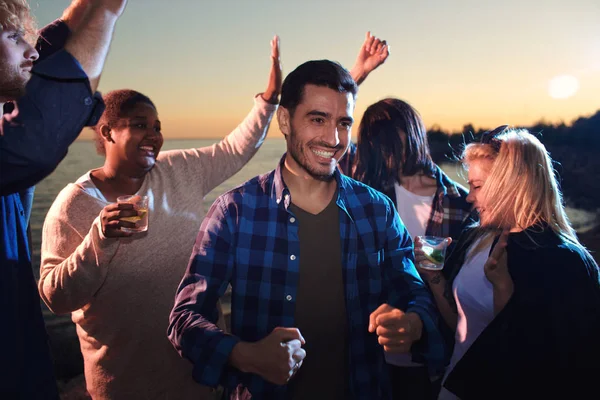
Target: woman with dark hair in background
{"points": [[392, 156]]}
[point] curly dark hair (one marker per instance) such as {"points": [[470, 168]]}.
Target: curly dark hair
{"points": [[118, 103]]}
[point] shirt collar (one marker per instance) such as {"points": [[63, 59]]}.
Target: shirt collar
{"points": [[281, 193]]}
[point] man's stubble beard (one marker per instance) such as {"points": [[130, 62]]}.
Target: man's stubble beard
{"points": [[12, 84], [297, 153]]}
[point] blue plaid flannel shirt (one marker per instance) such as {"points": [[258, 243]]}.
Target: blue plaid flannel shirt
{"points": [[249, 240]]}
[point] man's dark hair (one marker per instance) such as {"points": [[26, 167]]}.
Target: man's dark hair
{"points": [[379, 147], [118, 104], [320, 73]]}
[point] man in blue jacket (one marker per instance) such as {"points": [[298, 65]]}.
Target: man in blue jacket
{"points": [[47, 95]]}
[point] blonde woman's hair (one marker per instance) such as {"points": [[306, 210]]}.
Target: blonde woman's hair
{"points": [[521, 189], [16, 14]]}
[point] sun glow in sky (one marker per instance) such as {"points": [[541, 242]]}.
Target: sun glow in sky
{"points": [[481, 62], [563, 86]]}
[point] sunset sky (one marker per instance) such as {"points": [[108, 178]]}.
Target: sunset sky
{"points": [[478, 61]]}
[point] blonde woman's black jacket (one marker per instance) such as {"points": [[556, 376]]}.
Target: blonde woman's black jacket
{"points": [[545, 343]]}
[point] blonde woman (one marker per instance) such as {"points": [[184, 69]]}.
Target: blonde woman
{"points": [[525, 303]]}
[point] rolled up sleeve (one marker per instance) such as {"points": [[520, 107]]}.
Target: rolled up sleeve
{"points": [[52, 38]]}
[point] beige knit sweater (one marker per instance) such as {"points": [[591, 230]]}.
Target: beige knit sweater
{"points": [[120, 291]]}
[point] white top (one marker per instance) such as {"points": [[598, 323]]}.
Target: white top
{"points": [[415, 211], [474, 298], [120, 292]]}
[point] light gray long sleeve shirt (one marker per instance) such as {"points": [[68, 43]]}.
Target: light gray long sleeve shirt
{"points": [[120, 291]]}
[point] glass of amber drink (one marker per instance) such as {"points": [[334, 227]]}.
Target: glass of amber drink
{"points": [[140, 204]]}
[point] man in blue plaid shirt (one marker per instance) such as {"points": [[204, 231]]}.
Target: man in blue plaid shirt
{"points": [[321, 268]]}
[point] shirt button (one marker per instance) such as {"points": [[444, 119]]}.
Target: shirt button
{"points": [[288, 297], [292, 257], [292, 220], [87, 101]]}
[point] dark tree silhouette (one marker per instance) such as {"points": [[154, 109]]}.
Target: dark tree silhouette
{"points": [[575, 149]]}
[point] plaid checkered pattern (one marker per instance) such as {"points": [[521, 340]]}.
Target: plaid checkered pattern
{"points": [[249, 238], [449, 210]]}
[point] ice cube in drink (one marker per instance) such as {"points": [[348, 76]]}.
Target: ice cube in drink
{"points": [[434, 249]]}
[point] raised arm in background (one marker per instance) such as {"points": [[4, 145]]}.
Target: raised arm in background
{"points": [[371, 55], [92, 35], [36, 133]]}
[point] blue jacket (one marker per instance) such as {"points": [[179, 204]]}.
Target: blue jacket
{"points": [[35, 133]]}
